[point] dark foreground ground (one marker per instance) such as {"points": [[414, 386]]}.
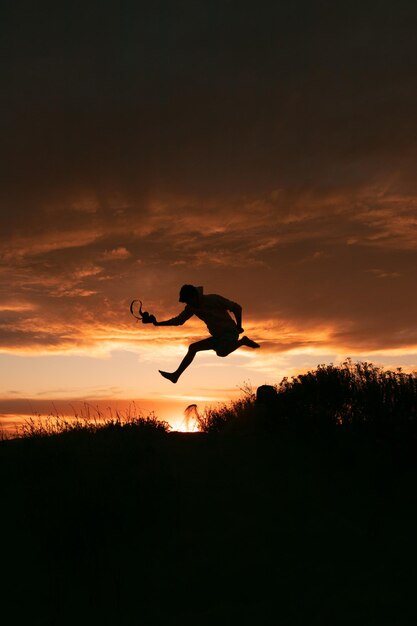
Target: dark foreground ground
{"points": [[200, 529]]}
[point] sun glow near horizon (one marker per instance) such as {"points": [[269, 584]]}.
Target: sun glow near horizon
{"points": [[45, 384]]}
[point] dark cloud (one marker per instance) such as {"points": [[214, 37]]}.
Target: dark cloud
{"points": [[204, 97]]}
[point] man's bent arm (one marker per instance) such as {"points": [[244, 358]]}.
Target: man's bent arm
{"points": [[237, 312]]}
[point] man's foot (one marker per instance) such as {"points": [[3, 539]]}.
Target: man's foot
{"points": [[171, 376], [245, 341]]}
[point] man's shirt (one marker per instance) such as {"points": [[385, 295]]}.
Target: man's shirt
{"points": [[213, 310]]}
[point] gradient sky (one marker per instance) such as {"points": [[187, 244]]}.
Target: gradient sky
{"points": [[267, 151]]}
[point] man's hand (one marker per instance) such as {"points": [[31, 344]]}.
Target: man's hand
{"points": [[148, 319], [240, 329]]}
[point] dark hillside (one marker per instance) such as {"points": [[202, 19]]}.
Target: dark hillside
{"points": [[186, 529], [277, 526]]}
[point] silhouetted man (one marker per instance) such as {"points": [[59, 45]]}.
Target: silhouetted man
{"points": [[213, 310]]}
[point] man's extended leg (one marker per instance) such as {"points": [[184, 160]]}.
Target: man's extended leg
{"points": [[198, 346], [228, 347]]}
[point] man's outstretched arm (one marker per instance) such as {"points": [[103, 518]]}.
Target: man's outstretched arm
{"points": [[175, 321], [167, 323]]}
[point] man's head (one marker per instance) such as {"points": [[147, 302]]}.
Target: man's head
{"points": [[190, 295]]}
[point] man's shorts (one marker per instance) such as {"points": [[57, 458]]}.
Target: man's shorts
{"points": [[225, 344]]}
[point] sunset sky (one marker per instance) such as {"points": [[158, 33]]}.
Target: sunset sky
{"points": [[264, 150]]}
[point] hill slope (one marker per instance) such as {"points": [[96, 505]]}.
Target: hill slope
{"points": [[261, 528]]}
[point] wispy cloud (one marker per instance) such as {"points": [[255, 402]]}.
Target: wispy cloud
{"points": [[116, 254]]}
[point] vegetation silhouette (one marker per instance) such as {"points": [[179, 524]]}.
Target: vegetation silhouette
{"points": [[299, 509], [351, 396]]}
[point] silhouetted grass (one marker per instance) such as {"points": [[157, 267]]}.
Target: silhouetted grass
{"points": [[90, 421], [234, 415]]}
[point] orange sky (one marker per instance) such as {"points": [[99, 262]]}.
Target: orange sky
{"points": [[270, 157]]}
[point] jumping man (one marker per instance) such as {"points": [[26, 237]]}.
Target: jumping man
{"points": [[213, 310]]}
